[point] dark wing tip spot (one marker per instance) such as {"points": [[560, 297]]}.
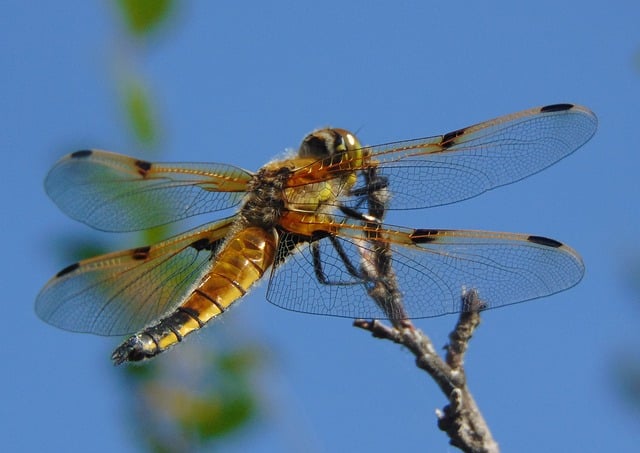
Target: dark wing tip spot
{"points": [[556, 108], [82, 153], [423, 236], [68, 270], [544, 241]]}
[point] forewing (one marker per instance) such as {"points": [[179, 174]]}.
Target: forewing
{"points": [[113, 192], [431, 268], [467, 162], [122, 292]]}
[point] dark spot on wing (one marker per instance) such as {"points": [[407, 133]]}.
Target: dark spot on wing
{"points": [[449, 139], [202, 244], [556, 108], [424, 236], [143, 167], [141, 253], [544, 241], [82, 153], [68, 270]]}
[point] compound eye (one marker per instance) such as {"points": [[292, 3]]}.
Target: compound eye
{"points": [[347, 141], [322, 143], [338, 142], [314, 146], [327, 142], [351, 140]]}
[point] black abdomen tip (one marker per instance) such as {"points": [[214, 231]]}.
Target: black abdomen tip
{"points": [[132, 350]]}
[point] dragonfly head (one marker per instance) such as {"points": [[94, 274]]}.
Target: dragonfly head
{"points": [[328, 142]]}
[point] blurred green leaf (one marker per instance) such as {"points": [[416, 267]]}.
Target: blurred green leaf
{"points": [[143, 372], [234, 411], [238, 362], [189, 400], [72, 248], [143, 16], [139, 111], [156, 234]]}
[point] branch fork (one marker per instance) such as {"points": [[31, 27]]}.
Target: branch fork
{"points": [[461, 419]]}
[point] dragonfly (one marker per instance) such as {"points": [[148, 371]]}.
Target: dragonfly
{"points": [[314, 223]]}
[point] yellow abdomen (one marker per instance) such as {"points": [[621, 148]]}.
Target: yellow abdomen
{"points": [[244, 259]]}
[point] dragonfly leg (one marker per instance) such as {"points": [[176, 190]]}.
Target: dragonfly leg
{"points": [[374, 183], [372, 193], [318, 268]]}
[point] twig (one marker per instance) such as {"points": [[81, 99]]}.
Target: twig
{"points": [[461, 419]]}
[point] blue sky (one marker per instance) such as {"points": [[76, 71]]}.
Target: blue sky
{"points": [[241, 83]]}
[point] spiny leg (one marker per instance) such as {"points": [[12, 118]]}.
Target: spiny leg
{"points": [[346, 260], [373, 193]]}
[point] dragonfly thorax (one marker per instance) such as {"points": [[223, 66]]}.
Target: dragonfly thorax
{"points": [[265, 202]]}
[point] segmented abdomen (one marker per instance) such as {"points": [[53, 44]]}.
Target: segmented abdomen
{"points": [[243, 260]]}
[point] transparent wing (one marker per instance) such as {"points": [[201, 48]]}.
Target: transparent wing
{"points": [[123, 292], [112, 192], [431, 268], [467, 162]]}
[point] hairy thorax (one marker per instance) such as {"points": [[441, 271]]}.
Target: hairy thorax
{"points": [[265, 201]]}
